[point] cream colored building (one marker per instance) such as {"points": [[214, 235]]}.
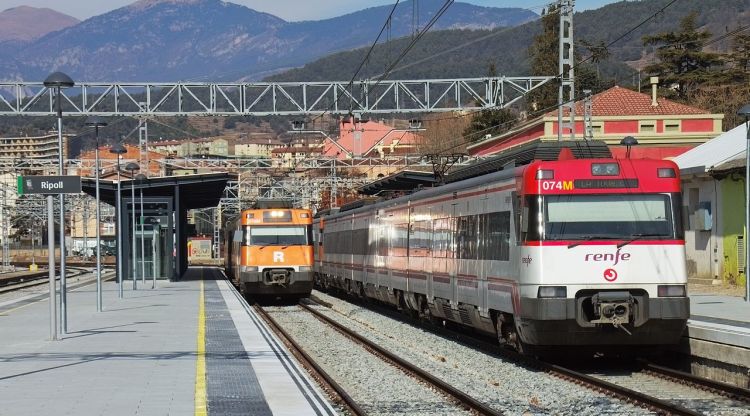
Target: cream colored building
{"points": [[256, 147], [33, 147]]}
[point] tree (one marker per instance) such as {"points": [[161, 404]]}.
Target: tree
{"points": [[443, 134], [543, 57], [489, 122], [739, 59], [682, 61]]}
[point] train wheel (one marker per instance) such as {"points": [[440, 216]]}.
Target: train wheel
{"points": [[507, 335]]}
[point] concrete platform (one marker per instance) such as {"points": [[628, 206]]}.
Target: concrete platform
{"points": [[717, 339], [721, 319], [187, 347]]}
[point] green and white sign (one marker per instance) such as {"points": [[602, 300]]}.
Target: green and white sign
{"points": [[49, 185]]}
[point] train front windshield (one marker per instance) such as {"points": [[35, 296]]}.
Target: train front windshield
{"points": [[278, 235], [604, 216]]}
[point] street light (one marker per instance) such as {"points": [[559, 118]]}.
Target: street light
{"points": [[745, 112], [132, 167], [58, 81], [96, 122], [142, 178], [119, 150]]}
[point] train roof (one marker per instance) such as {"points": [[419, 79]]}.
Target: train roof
{"points": [[408, 181], [525, 154], [403, 181], [273, 204]]}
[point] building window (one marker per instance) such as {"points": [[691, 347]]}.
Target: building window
{"points": [[108, 228], [671, 126], [648, 126], [597, 128]]}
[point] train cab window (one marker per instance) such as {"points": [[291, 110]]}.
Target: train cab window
{"points": [[605, 216], [282, 235]]}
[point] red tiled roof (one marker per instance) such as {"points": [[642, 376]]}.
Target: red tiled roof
{"points": [[619, 101]]}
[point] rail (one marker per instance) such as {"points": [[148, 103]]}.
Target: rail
{"points": [[428, 378]]}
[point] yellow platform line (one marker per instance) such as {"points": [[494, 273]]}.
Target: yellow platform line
{"points": [[201, 404]]}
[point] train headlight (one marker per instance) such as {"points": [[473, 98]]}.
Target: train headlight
{"points": [[605, 169], [305, 268], [545, 174], [246, 269], [552, 292], [671, 291], [665, 173]]}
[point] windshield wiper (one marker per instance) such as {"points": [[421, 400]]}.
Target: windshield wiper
{"points": [[638, 237], [589, 238]]}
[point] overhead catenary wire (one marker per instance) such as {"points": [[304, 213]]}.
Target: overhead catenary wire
{"points": [[386, 25], [558, 76]]}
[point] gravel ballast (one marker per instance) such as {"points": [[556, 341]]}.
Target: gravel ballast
{"points": [[378, 387], [503, 385]]}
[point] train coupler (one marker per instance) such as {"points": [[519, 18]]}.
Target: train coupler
{"points": [[613, 308], [278, 277]]}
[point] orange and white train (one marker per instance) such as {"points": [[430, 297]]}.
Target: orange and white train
{"points": [[269, 252]]}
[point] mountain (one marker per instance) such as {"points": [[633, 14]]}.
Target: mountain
{"points": [[160, 40], [469, 53], [25, 23]]}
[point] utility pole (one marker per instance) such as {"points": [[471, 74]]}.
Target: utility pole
{"points": [[566, 93], [588, 113]]}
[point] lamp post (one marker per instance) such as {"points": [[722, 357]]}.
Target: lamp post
{"points": [[58, 81], [142, 178], [118, 150], [97, 122], [745, 112], [132, 167], [33, 248]]}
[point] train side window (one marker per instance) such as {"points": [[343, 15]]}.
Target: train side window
{"points": [[516, 215], [466, 237], [420, 239], [359, 242], [400, 246], [441, 238], [237, 237], [498, 236], [383, 241]]}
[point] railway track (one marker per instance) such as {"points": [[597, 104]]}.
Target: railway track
{"points": [[678, 392], [25, 280], [320, 374], [455, 395], [658, 389]]}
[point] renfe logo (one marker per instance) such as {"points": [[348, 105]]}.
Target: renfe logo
{"points": [[613, 257]]}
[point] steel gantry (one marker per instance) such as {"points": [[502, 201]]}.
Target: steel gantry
{"points": [[267, 98]]}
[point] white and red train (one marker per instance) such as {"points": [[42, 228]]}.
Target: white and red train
{"points": [[584, 252]]}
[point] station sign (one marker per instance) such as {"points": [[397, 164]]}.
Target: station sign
{"points": [[49, 185]]}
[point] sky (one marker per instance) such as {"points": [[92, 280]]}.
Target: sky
{"points": [[291, 10]]}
